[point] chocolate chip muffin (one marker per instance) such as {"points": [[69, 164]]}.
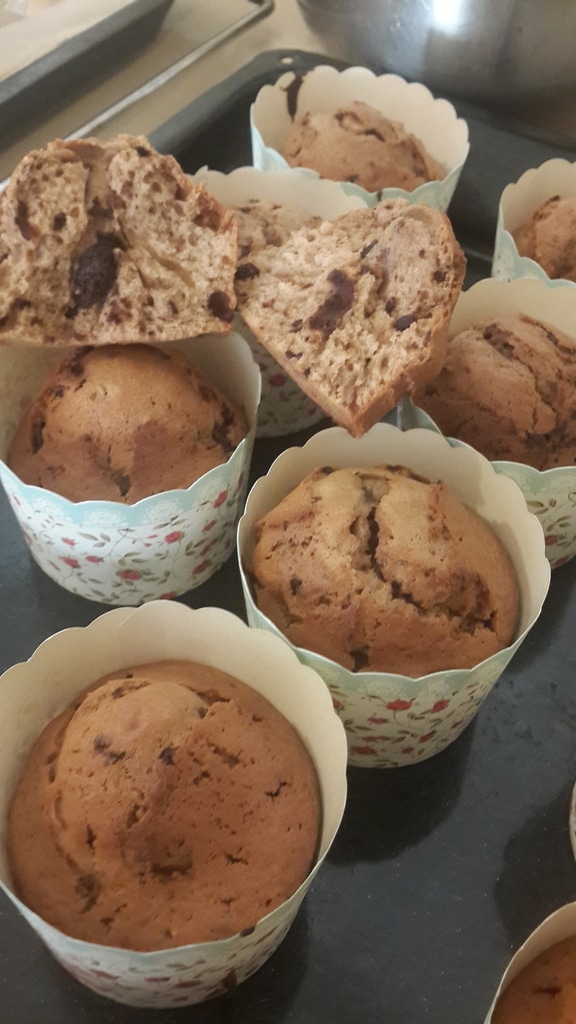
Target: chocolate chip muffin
{"points": [[122, 422], [507, 388], [110, 242], [170, 804], [544, 992], [382, 570], [359, 144]]}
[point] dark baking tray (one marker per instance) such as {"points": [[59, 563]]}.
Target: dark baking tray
{"points": [[38, 90], [440, 870]]}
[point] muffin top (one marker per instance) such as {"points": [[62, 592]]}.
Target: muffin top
{"points": [[169, 804], [382, 570], [122, 422], [549, 237], [544, 992], [359, 144], [508, 388]]}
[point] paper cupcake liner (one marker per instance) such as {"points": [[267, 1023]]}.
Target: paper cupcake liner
{"points": [[391, 720], [558, 926], [32, 693], [163, 545], [284, 408], [518, 201], [324, 88], [550, 494]]}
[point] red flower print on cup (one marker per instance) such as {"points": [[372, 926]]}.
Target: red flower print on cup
{"points": [[375, 720], [550, 540], [209, 526], [221, 498], [439, 706], [364, 751], [201, 567], [72, 562], [399, 704], [171, 538], [277, 380], [427, 736], [69, 542], [94, 558], [129, 574]]}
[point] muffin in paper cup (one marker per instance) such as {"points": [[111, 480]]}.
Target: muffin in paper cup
{"points": [[284, 408], [518, 202], [392, 720], [433, 121], [161, 546], [551, 493], [558, 927], [34, 692]]}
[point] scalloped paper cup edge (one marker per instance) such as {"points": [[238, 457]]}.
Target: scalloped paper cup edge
{"points": [[33, 692], [433, 121], [473, 478]]}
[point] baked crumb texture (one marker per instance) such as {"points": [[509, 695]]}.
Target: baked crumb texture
{"points": [[172, 804], [381, 570], [356, 310], [549, 237], [110, 242]]}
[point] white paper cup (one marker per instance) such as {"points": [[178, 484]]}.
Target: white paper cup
{"points": [[284, 408], [558, 926], [550, 493], [518, 202], [163, 545], [392, 720], [34, 692], [433, 121]]}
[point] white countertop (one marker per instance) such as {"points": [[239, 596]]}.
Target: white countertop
{"points": [[188, 24]]}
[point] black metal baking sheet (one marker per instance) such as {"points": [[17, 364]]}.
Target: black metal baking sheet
{"points": [[440, 870], [38, 90]]}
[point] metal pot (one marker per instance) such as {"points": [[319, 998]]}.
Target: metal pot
{"points": [[488, 50]]}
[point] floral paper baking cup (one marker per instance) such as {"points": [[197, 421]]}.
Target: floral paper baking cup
{"points": [[433, 121], [559, 926], [33, 693], [551, 493], [392, 720], [517, 204], [163, 545], [284, 408]]}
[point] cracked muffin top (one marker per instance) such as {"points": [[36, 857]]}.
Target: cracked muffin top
{"points": [[382, 570], [549, 237], [122, 422], [110, 242], [508, 389], [170, 804]]}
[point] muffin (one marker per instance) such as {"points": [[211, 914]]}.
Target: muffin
{"points": [[507, 388], [549, 237], [262, 222], [359, 144], [382, 570], [110, 242], [544, 992], [348, 124], [122, 422], [169, 804], [356, 310]]}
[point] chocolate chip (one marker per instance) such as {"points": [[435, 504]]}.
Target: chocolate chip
{"points": [[167, 755], [360, 658], [37, 432], [142, 151], [95, 272], [246, 271], [122, 481], [59, 221], [295, 585], [403, 322], [332, 310], [219, 305], [26, 229]]}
